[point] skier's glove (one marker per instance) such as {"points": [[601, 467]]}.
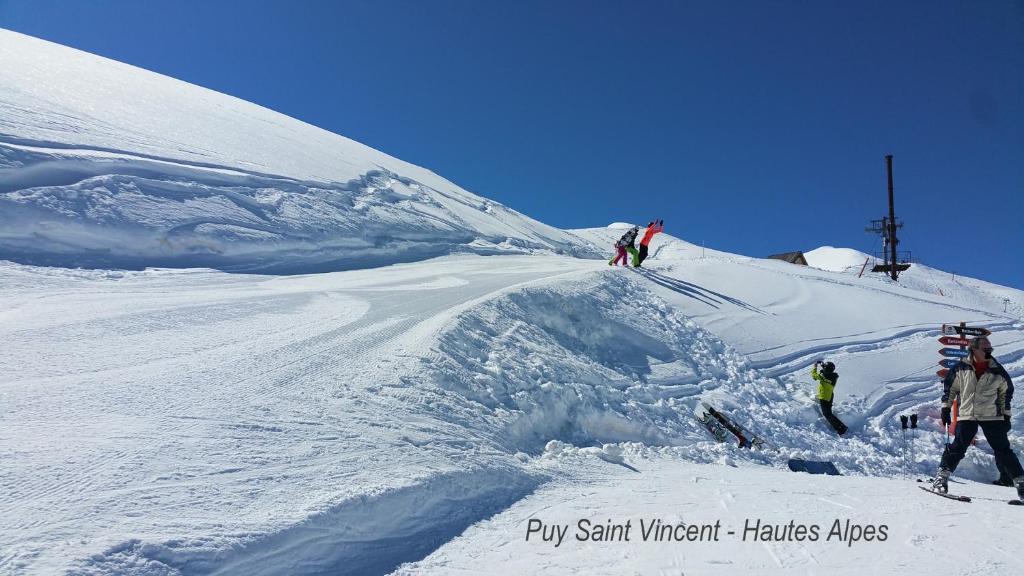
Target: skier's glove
{"points": [[946, 416]]}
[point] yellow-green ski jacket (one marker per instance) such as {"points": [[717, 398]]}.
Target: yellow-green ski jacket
{"points": [[825, 386]]}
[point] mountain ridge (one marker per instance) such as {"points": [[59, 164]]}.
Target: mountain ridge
{"points": [[103, 164]]}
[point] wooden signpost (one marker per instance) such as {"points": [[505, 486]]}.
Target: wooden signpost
{"points": [[956, 335], [964, 330]]}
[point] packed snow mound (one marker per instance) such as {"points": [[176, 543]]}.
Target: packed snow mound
{"points": [[572, 362], [835, 259], [103, 164]]}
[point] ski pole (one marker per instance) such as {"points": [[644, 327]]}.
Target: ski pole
{"points": [[913, 440], [903, 425]]}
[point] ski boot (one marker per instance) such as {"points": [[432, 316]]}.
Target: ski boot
{"points": [[939, 484], [1003, 481], [1019, 483]]}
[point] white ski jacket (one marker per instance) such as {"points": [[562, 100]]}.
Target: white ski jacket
{"points": [[981, 399]]}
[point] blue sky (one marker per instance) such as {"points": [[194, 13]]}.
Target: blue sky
{"points": [[755, 127]]}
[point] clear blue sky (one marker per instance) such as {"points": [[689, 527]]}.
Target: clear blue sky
{"points": [[756, 127]]}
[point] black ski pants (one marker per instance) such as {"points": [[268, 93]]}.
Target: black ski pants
{"points": [[643, 253], [995, 433], [836, 423], [1004, 476]]}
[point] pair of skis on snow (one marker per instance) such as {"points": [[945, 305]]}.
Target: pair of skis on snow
{"points": [[960, 498], [721, 427]]}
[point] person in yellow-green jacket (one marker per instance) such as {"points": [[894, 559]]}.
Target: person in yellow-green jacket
{"points": [[827, 379]]}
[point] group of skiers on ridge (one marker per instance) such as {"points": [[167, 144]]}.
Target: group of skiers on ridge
{"points": [[984, 391], [628, 244]]}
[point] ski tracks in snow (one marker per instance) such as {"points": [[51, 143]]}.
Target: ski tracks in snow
{"points": [[322, 410]]}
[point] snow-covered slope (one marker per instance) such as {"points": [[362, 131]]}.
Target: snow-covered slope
{"points": [[881, 335], [923, 278], [780, 317], [190, 421], [350, 422], [213, 423], [105, 164]]}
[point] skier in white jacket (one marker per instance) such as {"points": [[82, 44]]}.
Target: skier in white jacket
{"points": [[985, 391]]}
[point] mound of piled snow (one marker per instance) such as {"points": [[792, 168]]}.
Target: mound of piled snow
{"points": [[835, 259], [104, 164], [586, 367]]}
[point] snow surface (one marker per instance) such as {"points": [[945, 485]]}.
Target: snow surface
{"points": [[190, 421], [459, 372], [924, 534]]}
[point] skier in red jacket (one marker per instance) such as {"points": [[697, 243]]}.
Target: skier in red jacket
{"points": [[652, 229]]}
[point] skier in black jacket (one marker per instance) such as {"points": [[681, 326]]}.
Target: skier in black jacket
{"points": [[625, 244]]}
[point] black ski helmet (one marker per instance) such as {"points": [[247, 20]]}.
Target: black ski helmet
{"points": [[828, 367]]}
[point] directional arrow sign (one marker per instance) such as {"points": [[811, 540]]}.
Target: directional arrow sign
{"points": [[965, 331], [954, 352], [954, 341], [942, 373], [949, 363]]}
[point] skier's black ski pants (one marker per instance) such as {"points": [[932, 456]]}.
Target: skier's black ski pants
{"points": [[643, 253], [836, 423], [1004, 476], [995, 433]]}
